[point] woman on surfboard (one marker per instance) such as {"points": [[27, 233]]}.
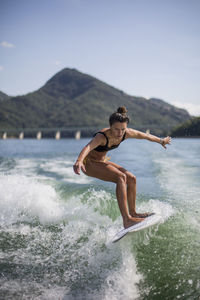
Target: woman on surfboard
{"points": [[93, 161]]}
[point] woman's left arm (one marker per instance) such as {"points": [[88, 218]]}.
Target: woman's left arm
{"points": [[132, 133]]}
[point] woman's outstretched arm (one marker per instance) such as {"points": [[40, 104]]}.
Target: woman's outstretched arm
{"points": [[132, 133]]}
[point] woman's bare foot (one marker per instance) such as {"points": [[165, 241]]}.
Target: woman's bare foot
{"points": [[131, 221], [141, 215]]}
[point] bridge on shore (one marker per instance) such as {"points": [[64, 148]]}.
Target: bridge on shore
{"points": [[39, 133], [72, 132]]}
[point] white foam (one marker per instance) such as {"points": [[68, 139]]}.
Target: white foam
{"points": [[85, 220], [82, 217], [123, 283], [26, 288], [23, 197], [26, 167], [60, 167], [52, 293], [165, 210], [74, 178], [96, 198], [181, 181], [65, 169]]}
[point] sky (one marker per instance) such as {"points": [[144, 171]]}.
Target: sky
{"points": [[148, 48]]}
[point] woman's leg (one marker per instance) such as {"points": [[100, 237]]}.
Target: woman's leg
{"points": [[107, 172], [131, 191]]}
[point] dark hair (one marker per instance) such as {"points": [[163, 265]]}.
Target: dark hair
{"points": [[119, 116]]}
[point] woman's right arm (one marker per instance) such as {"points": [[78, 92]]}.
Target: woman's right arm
{"points": [[95, 142]]}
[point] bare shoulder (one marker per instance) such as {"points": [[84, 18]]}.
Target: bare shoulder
{"points": [[99, 138], [96, 141], [105, 130]]}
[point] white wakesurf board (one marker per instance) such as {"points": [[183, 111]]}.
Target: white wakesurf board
{"points": [[148, 221]]}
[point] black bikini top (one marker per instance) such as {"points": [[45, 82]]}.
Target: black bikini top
{"points": [[105, 147]]}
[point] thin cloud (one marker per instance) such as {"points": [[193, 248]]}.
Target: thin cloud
{"points": [[7, 44], [1, 68]]}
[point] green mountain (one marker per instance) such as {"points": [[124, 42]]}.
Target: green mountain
{"points": [[72, 98], [188, 128], [3, 96]]}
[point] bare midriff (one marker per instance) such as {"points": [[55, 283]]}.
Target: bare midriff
{"points": [[96, 156]]}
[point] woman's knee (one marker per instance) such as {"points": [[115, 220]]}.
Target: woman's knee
{"points": [[131, 179], [121, 177]]}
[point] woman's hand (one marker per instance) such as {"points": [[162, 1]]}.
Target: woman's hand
{"points": [[78, 166], [165, 141]]}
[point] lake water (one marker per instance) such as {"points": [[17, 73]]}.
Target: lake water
{"points": [[56, 227]]}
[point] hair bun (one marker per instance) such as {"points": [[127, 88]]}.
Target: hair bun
{"points": [[122, 110], [119, 116]]}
